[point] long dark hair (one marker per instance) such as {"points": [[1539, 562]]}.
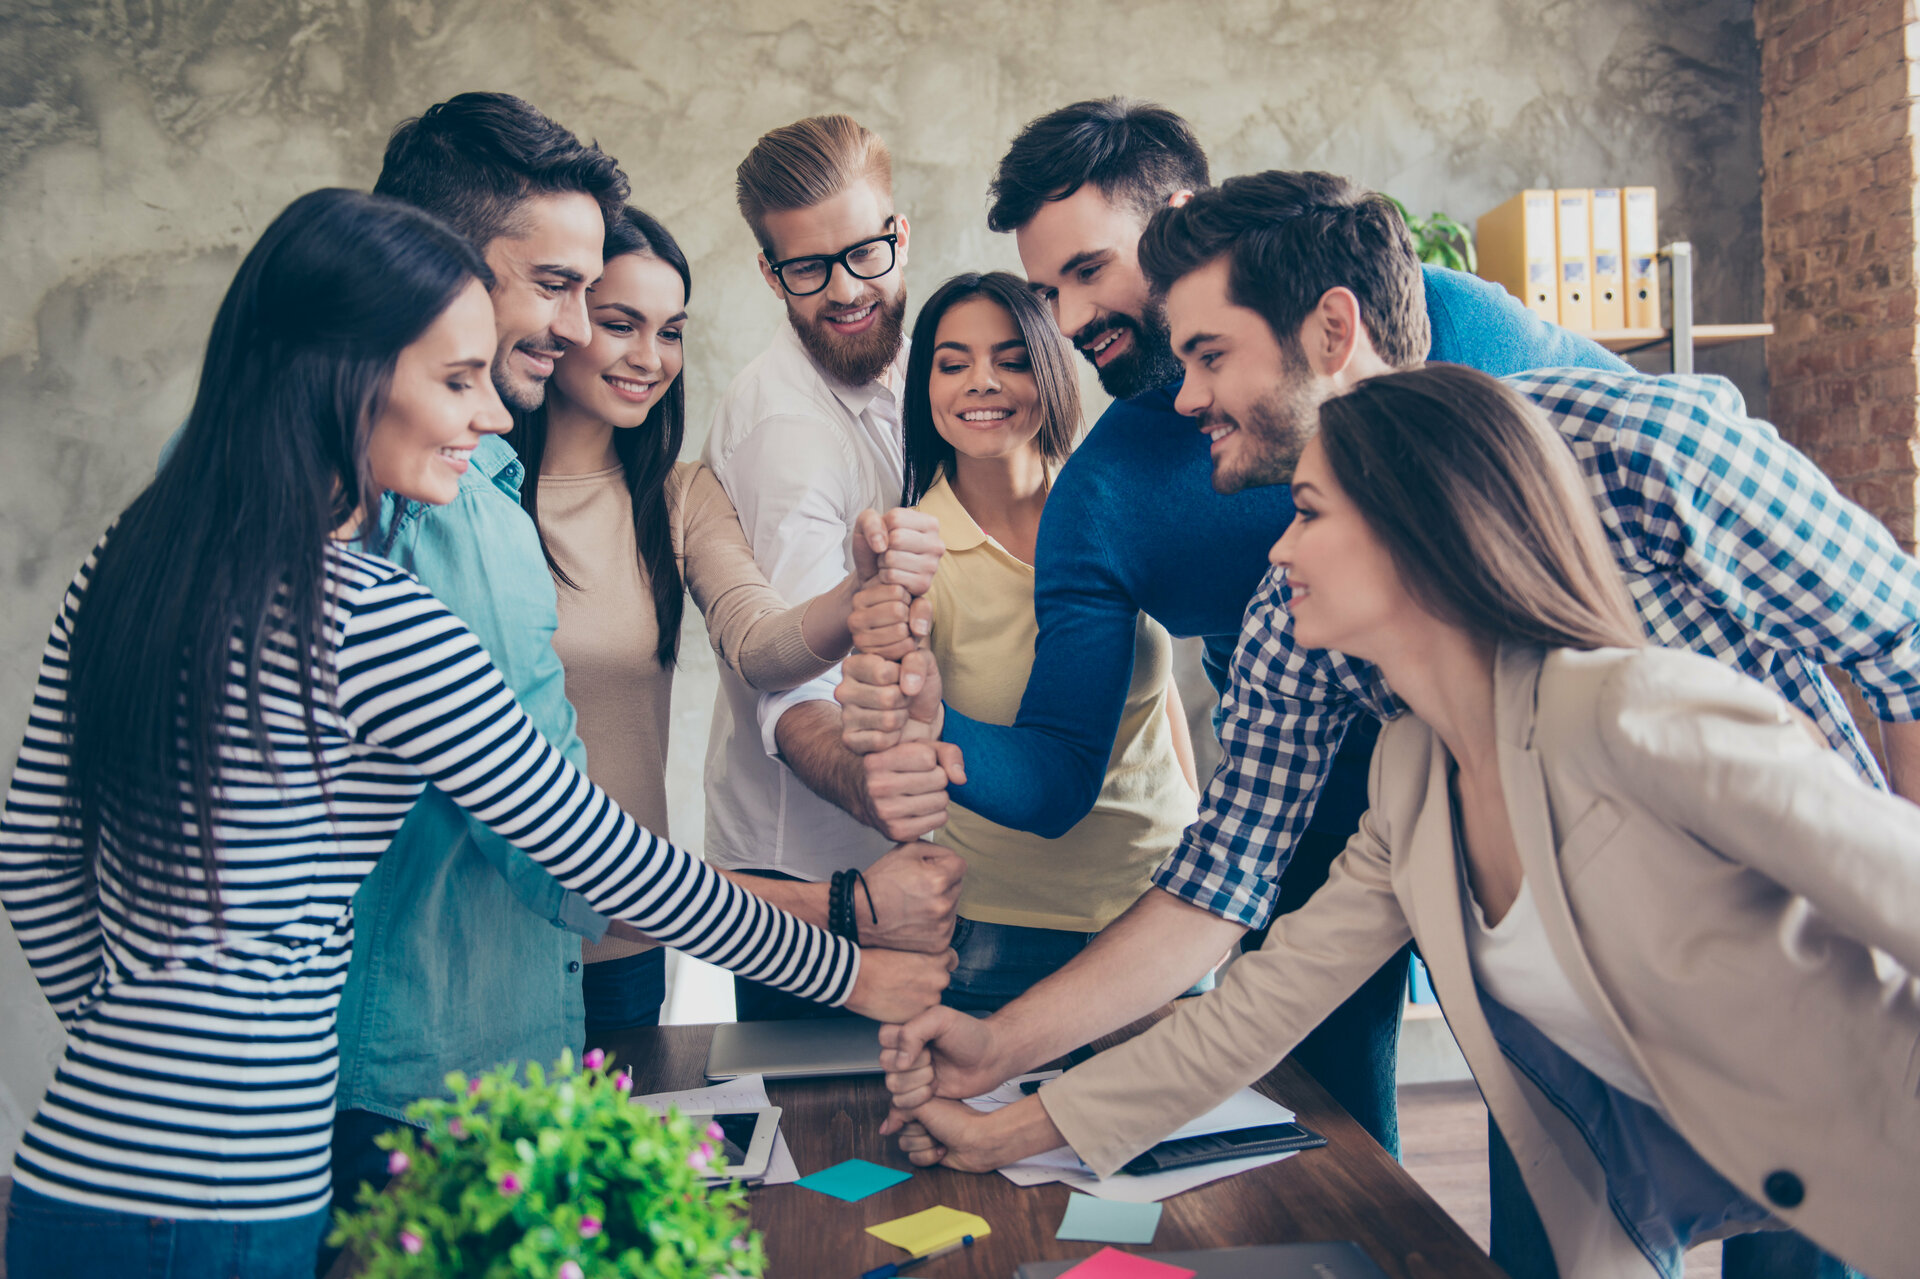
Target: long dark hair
{"points": [[647, 453], [1481, 507], [928, 455], [221, 562]]}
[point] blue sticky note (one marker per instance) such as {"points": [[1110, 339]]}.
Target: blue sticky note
{"points": [[1108, 1220], [854, 1179]]}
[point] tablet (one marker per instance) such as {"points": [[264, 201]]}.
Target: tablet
{"points": [[746, 1141], [809, 1048]]}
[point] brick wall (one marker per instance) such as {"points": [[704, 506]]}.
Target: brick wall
{"points": [[1837, 134]]}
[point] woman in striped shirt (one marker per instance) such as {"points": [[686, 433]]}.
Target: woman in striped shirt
{"points": [[235, 712]]}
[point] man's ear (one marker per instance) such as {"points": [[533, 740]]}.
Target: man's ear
{"points": [[766, 273], [902, 230], [1179, 198], [1333, 332]]}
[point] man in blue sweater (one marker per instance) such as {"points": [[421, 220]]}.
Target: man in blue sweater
{"points": [[1134, 525]]}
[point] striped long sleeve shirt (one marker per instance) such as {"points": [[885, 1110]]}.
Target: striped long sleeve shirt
{"points": [[198, 1080]]}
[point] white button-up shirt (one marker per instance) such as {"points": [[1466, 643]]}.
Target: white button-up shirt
{"points": [[801, 455]]}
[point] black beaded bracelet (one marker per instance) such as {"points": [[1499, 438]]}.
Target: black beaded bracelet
{"points": [[841, 921]]}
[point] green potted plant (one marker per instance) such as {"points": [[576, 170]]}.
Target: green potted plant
{"points": [[1440, 240], [557, 1177]]}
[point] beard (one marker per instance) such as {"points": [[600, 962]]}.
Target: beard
{"points": [[517, 391], [1150, 365], [1271, 436], [862, 358]]}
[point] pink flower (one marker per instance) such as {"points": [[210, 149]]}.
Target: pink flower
{"points": [[594, 1059], [509, 1184], [570, 1270], [456, 1129], [410, 1243], [716, 1132], [698, 1159], [473, 1087], [624, 1083], [397, 1163], [589, 1227]]}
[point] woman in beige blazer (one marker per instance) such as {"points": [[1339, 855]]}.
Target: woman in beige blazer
{"points": [[1673, 933]]}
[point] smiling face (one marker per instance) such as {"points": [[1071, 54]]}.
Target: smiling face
{"points": [[1256, 400], [981, 388], [1345, 591], [852, 327], [1081, 254], [639, 312], [439, 404], [540, 291]]}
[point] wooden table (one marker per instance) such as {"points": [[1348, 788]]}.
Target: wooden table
{"points": [[1350, 1189]]}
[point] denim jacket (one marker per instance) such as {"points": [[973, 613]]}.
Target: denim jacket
{"points": [[465, 953]]}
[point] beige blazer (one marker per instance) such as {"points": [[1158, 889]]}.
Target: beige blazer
{"points": [[1732, 902]]}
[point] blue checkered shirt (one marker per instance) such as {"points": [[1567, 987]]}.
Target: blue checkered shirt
{"points": [[1733, 545]]}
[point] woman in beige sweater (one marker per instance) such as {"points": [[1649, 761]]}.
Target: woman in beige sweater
{"points": [[629, 530]]}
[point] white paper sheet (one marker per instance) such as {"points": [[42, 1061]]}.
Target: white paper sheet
{"points": [[1245, 1109], [748, 1092]]}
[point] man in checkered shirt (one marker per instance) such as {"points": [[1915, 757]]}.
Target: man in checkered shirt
{"points": [[1733, 544]]}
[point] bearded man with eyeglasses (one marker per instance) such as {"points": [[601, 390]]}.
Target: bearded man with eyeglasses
{"points": [[805, 438]]}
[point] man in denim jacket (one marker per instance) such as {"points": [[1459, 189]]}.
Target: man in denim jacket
{"points": [[465, 953]]}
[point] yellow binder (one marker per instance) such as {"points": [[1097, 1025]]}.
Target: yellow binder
{"points": [[1575, 257], [1515, 247], [1609, 266], [1642, 232]]}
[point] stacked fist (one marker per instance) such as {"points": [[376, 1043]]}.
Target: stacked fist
{"points": [[889, 694]]}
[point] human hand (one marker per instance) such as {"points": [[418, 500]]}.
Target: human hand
{"points": [[887, 622], [955, 1135], [914, 889], [901, 548], [896, 985], [941, 1053], [906, 787], [884, 703]]}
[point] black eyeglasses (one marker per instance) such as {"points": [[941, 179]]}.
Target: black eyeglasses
{"points": [[868, 260]]}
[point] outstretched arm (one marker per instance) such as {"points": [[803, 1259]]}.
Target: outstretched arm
{"points": [[415, 684]]}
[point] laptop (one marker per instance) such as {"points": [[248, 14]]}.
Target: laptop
{"points": [[805, 1049], [1264, 1261]]}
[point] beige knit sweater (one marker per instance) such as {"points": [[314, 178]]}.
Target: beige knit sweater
{"points": [[608, 634]]}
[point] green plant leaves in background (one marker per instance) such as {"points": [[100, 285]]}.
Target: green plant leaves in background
{"points": [[1440, 240]]}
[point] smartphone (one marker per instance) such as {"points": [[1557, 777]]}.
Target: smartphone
{"points": [[1267, 1139]]}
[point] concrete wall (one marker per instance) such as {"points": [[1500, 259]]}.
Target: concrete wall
{"points": [[145, 143]]}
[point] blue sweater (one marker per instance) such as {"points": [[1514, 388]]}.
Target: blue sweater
{"points": [[1133, 525]]}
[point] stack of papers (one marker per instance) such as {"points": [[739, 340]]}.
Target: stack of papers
{"points": [[748, 1092], [1245, 1109]]}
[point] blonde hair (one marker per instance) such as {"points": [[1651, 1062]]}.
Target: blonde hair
{"points": [[801, 164]]}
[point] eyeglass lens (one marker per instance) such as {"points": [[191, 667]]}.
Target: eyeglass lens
{"points": [[865, 261]]}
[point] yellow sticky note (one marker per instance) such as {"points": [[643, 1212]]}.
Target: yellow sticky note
{"points": [[922, 1232]]}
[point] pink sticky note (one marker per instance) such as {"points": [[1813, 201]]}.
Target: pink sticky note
{"points": [[1111, 1263]]}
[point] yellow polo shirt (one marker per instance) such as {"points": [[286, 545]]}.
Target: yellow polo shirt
{"points": [[983, 636]]}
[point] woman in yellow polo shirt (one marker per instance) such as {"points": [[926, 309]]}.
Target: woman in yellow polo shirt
{"points": [[991, 410]]}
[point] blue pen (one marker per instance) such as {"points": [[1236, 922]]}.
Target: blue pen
{"points": [[893, 1268]]}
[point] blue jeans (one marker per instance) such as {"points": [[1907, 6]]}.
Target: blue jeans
{"points": [[1519, 1241], [624, 993], [50, 1238], [1000, 962]]}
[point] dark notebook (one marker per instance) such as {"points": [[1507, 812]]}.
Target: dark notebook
{"points": [[1265, 1261]]}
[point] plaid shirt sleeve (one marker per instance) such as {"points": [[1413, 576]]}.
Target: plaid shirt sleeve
{"points": [[1284, 714], [1753, 526]]}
